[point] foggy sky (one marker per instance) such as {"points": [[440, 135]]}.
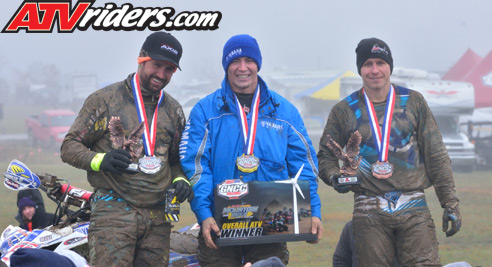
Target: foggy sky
{"points": [[293, 35]]}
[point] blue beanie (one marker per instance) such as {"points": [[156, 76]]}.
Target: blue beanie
{"points": [[242, 45], [25, 202]]}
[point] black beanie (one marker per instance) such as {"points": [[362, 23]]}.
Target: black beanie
{"points": [[373, 48]]}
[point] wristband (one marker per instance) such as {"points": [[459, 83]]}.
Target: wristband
{"points": [[181, 178], [96, 161]]}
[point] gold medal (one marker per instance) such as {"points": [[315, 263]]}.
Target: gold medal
{"points": [[247, 163]]}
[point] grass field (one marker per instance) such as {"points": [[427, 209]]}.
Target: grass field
{"points": [[472, 244]]}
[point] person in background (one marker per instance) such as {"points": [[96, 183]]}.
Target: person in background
{"points": [[31, 215]]}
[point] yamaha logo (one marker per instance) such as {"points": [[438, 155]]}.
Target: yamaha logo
{"points": [[232, 189]]}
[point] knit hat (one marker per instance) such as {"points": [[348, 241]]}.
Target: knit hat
{"points": [[373, 48], [29, 257], [242, 45], [25, 202], [163, 46]]}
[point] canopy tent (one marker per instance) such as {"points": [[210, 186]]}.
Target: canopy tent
{"points": [[328, 90], [477, 71], [481, 78], [462, 68]]}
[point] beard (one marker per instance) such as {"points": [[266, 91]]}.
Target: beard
{"points": [[146, 83]]}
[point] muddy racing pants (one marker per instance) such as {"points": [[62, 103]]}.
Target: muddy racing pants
{"points": [[237, 256], [123, 235], [395, 224]]}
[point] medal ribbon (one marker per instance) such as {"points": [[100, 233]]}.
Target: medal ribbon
{"points": [[148, 136], [249, 133], [381, 139]]}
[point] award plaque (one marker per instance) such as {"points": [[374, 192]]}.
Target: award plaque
{"points": [[263, 212]]}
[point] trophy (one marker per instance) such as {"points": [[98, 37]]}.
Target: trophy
{"points": [[131, 144], [350, 161]]}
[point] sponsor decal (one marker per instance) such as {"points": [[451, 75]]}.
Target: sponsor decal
{"points": [[271, 125], [239, 211], [101, 124], [11, 184], [169, 48], [234, 52], [232, 189], [46, 238], [442, 93], [16, 169], [74, 240], [487, 79], [83, 229], [183, 145], [377, 49], [41, 17], [241, 229]]}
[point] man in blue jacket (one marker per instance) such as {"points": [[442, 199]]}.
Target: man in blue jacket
{"points": [[244, 131]]}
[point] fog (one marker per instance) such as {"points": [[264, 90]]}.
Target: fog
{"points": [[293, 36]]}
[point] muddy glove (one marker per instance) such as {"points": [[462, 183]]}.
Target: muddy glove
{"points": [[183, 189], [115, 161], [451, 213], [338, 187]]}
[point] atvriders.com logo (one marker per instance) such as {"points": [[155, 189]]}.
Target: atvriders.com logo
{"points": [[41, 17]]}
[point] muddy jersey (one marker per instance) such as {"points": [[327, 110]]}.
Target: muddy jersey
{"points": [[89, 135], [416, 149]]}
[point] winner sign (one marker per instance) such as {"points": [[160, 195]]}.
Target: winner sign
{"points": [[262, 212]]}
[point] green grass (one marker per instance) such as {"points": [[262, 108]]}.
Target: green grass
{"points": [[472, 244]]}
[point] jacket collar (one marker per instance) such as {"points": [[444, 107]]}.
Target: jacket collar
{"points": [[226, 98]]}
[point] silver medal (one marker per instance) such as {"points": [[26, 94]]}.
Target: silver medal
{"points": [[150, 164]]}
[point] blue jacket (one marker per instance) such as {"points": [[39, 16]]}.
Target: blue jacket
{"points": [[212, 141]]}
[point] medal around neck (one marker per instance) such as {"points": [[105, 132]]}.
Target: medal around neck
{"points": [[382, 170], [350, 158], [247, 163], [150, 164]]}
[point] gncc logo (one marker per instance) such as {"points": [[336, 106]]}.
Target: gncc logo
{"points": [[232, 189], [41, 17]]}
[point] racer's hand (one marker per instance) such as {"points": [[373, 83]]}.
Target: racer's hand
{"points": [[316, 228], [116, 161], [183, 189], [451, 213], [209, 225], [339, 188]]}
